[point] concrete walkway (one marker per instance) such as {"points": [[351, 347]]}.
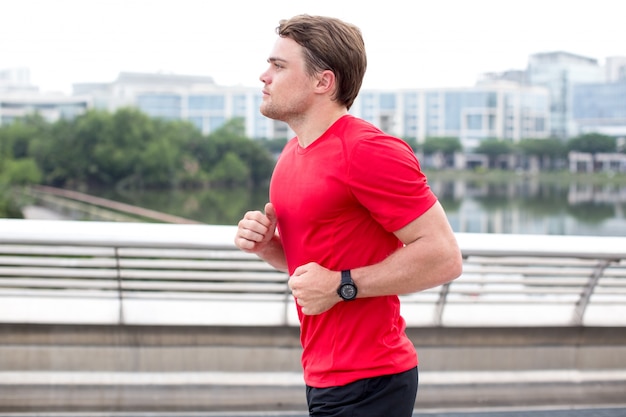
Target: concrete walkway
{"points": [[242, 393]]}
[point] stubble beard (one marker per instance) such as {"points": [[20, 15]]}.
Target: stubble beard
{"points": [[283, 113], [270, 111]]}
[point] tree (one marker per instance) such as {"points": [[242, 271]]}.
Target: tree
{"points": [[230, 171], [230, 139], [494, 148], [592, 143], [546, 151], [445, 144], [20, 171]]}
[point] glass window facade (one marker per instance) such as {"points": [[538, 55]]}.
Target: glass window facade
{"points": [[167, 106], [239, 105], [474, 121], [432, 114], [206, 102], [458, 101], [411, 110], [215, 122], [599, 101], [387, 101]]}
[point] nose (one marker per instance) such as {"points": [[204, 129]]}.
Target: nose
{"points": [[264, 77]]}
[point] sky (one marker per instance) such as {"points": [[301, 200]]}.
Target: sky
{"points": [[410, 43]]}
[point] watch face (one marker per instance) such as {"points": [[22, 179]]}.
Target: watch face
{"points": [[348, 292]]}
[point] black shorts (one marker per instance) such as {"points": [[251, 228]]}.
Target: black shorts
{"points": [[384, 396]]}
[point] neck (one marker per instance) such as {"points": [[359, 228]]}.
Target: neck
{"points": [[309, 129]]}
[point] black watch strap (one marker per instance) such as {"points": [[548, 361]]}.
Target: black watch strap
{"points": [[346, 277], [347, 289]]}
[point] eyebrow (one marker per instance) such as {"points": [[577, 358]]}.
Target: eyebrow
{"points": [[274, 59]]}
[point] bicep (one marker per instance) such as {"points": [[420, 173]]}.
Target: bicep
{"points": [[431, 225]]}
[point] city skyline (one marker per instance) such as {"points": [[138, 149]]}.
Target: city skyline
{"points": [[449, 43]]}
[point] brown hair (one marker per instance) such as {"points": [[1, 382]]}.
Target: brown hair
{"points": [[330, 44]]}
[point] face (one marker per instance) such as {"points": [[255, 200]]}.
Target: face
{"points": [[288, 89]]}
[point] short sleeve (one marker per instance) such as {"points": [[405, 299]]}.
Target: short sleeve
{"points": [[385, 177]]}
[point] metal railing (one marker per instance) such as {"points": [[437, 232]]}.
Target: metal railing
{"points": [[76, 272]]}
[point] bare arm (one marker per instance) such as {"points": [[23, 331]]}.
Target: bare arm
{"points": [[256, 233], [430, 257]]}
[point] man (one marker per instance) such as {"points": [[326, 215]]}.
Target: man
{"points": [[353, 221]]}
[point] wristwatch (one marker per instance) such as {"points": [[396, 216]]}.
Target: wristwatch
{"points": [[347, 290]]}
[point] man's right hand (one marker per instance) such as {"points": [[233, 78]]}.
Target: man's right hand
{"points": [[256, 230]]}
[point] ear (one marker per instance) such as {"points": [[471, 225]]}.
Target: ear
{"points": [[325, 82]]}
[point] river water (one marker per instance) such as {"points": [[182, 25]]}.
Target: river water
{"points": [[514, 207], [510, 207]]}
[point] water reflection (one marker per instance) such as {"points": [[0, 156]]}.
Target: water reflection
{"points": [[533, 207], [524, 206]]}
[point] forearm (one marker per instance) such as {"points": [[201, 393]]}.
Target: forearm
{"points": [[274, 254], [415, 267]]}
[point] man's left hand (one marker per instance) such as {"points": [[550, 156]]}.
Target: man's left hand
{"points": [[315, 288]]}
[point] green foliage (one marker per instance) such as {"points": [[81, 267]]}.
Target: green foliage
{"points": [[8, 208], [592, 143], [129, 150], [20, 172], [273, 146], [494, 147], [230, 171], [552, 148], [445, 144], [412, 142], [229, 139]]}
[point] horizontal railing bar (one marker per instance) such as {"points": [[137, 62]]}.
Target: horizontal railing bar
{"points": [[193, 264], [34, 282], [56, 250], [205, 287], [48, 293], [529, 270], [73, 262], [133, 268], [226, 254], [527, 260], [58, 272]]}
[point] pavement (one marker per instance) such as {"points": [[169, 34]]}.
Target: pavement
{"points": [[216, 394], [485, 412]]}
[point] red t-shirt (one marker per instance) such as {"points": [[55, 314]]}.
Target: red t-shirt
{"points": [[338, 202]]}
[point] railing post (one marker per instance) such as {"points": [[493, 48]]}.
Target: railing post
{"points": [[585, 296], [443, 296], [120, 295]]}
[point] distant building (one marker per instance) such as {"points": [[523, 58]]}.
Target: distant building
{"points": [[507, 111], [559, 72], [559, 94], [600, 108], [50, 107], [16, 80], [504, 110], [615, 69], [186, 97], [18, 98]]}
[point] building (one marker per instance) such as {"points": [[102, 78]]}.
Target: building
{"points": [[16, 80], [559, 95], [600, 108], [186, 97], [615, 69], [492, 109], [51, 107], [505, 110], [559, 72], [18, 98]]}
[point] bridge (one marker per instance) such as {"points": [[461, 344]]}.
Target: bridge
{"points": [[108, 316]]}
